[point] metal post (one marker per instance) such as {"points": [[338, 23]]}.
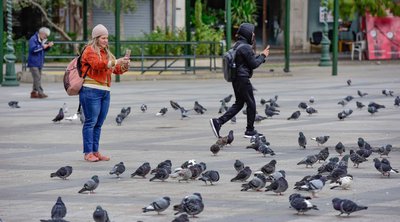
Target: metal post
{"points": [[10, 78], [264, 24], [1, 38], [228, 14], [188, 32], [117, 33], [335, 37], [325, 59], [287, 36], [85, 22]]}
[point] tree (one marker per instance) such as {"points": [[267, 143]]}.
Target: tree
{"points": [[348, 8]]}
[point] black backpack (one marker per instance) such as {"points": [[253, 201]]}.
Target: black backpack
{"points": [[229, 64]]}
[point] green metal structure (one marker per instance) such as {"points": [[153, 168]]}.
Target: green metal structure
{"points": [[335, 37], [228, 17], [10, 77], [325, 59], [287, 36], [117, 33], [1, 38], [188, 31]]}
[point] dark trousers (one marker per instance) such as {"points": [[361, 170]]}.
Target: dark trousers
{"points": [[243, 94]]}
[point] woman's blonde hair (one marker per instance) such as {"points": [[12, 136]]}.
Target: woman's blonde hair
{"points": [[94, 43]]}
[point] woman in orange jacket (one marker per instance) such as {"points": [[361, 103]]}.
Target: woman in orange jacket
{"points": [[98, 63]]}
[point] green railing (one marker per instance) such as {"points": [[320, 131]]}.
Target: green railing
{"points": [[151, 55]]}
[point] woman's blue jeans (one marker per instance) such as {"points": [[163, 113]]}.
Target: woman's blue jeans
{"points": [[95, 104]]}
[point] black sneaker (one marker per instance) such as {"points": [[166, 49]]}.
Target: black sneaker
{"points": [[250, 133], [215, 126]]}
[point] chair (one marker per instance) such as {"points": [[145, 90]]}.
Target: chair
{"points": [[315, 41], [358, 46]]}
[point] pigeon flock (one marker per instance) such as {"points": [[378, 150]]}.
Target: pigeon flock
{"points": [[330, 163]]}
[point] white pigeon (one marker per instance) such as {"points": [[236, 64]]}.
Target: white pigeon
{"points": [[343, 182], [73, 117]]}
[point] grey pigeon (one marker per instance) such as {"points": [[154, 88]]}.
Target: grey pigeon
{"points": [[259, 118], [342, 102], [227, 99], [162, 111], [143, 108], [143, 170], [337, 173], [181, 218], [323, 154], [384, 167], [344, 161], [346, 206], [184, 113], [13, 104], [308, 160], [59, 117], [215, 148], [339, 148], [301, 203], [270, 113], [361, 94], [199, 108], [311, 100], [278, 186], [174, 105], [158, 205], [384, 150], [238, 165], [160, 174], [305, 180], [302, 140], [364, 152], [257, 183], [361, 142], [230, 138], [265, 149], [321, 139], [90, 185], [348, 98], [397, 101], [191, 205], [372, 110], [313, 186], [59, 210], [210, 176], [269, 168], [310, 110], [62, 173], [356, 159], [166, 164], [119, 119], [100, 215], [302, 105], [328, 166], [263, 101], [349, 82], [118, 169], [276, 175], [376, 105], [196, 171], [272, 108], [242, 175], [359, 105], [387, 92], [345, 113], [294, 115], [223, 108]]}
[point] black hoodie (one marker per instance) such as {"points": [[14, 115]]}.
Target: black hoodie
{"points": [[245, 59]]}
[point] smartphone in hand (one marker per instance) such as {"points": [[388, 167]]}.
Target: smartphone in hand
{"points": [[127, 53]]}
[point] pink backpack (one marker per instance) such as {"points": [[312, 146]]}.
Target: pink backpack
{"points": [[73, 79]]}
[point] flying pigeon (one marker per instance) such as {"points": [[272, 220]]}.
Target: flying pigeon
{"points": [[174, 105], [158, 205], [346, 206], [90, 185], [62, 173], [361, 94]]}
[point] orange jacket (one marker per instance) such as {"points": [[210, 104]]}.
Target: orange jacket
{"points": [[98, 69]]}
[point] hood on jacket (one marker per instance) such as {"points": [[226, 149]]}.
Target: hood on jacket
{"points": [[246, 31]]}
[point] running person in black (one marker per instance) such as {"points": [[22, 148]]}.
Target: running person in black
{"points": [[246, 61]]}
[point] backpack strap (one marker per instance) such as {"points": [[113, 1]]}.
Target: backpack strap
{"points": [[80, 64]]}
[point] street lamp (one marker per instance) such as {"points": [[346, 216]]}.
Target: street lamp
{"points": [[325, 60], [10, 77]]}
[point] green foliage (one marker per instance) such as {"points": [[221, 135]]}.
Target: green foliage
{"points": [[126, 5], [244, 11], [348, 8]]}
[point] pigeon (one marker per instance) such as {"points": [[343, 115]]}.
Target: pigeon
{"points": [[160, 174], [73, 117], [361, 142], [143, 170], [359, 105], [305, 180], [59, 117], [329, 165], [210, 176], [259, 118], [174, 105], [301, 203], [227, 99], [185, 175], [242, 175], [13, 104], [344, 114], [272, 108], [356, 159], [143, 108], [337, 173], [184, 113], [323, 154], [90, 185], [339, 148], [278, 186], [222, 141], [263, 101], [343, 182], [238, 165], [349, 82], [348, 98], [384, 167], [270, 113], [387, 92], [119, 119], [397, 101], [344, 161], [125, 112], [295, 115], [311, 100], [384, 150], [302, 105], [309, 160], [188, 163], [313, 186], [59, 210], [269, 168], [162, 112], [365, 153], [62, 173], [342, 102], [265, 149], [361, 94], [321, 139], [276, 175], [158, 205], [118, 169], [182, 218], [100, 215], [223, 108], [372, 110], [230, 138], [310, 110], [257, 183], [196, 171], [302, 140], [346, 206], [199, 108], [376, 105], [215, 148], [191, 205]]}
